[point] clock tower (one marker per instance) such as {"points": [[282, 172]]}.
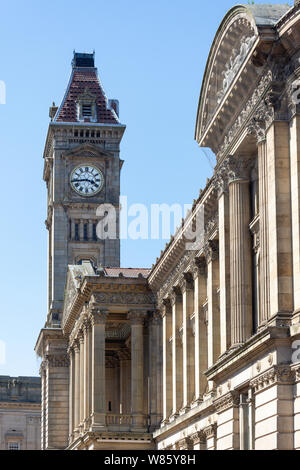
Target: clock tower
{"points": [[82, 171]]}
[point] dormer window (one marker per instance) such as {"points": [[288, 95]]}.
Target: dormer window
{"points": [[86, 107], [87, 110]]}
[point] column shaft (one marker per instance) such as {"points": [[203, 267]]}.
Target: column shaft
{"points": [[224, 260], [82, 351], [137, 369], [200, 293], [177, 355], [188, 345], [264, 281], [77, 387], [167, 363], [240, 262], [99, 407]]}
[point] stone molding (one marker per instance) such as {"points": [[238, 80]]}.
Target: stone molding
{"points": [[137, 317], [230, 400], [282, 375], [55, 360]]}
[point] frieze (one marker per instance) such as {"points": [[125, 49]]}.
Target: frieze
{"points": [[55, 360], [124, 298], [276, 375]]}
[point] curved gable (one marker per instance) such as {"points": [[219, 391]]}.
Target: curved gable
{"points": [[238, 36]]}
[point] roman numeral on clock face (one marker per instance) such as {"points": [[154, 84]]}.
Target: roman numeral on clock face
{"points": [[87, 180]]}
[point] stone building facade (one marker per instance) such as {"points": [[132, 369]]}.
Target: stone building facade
{"points": [[200, 352], [20, 413]]}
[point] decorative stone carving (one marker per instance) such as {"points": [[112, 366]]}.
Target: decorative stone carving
{"points": [[186, 282], [241, 121], [175, 296], [237, 168], [234, 64], [261, 121], [230, 400], [198, 437], [199, 267], [211, 250], [56, 360], [137, 317], [98, 316], [210, 431], [278, 374]]}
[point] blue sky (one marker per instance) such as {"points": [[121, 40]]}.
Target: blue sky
{"points": [[150, 55]]}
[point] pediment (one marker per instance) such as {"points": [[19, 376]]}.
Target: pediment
{"points": [[87, 150], [231, 71]]}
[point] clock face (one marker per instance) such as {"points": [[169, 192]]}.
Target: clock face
{"points": [[87, 180]]}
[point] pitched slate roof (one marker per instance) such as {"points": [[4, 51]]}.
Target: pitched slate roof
{"points": [[85, 79]]}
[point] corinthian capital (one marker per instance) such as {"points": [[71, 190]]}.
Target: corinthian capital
{"points": [[211, 250], [260, 121], [238, 168], [98, 316], [137, 317]]}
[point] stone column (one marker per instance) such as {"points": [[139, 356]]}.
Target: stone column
{"points": [[125, 381], [137, 319], [188, 348], [224, 258], [87, 372], [99, 408], [279, 213], [295, 200], [81, 400], [177, 355], [71, 393], [264, 280], [240, 251], [200, 295], [81, 230], [213, 325], [167, 361], [90, 230], [155, 409], [77, 386]]}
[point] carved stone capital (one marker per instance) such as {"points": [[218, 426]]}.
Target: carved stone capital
{"points": [[175, 296], [98, 316], [186, 282], [237, 168], [199, 267], [185, 444], [198, 437], [166, 307], [211, 250], [210, 431], [230, 400], [137, 317]]}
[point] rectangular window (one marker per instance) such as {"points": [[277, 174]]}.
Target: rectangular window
{"points": [[14, 446], [76, 232], [95, 232]]}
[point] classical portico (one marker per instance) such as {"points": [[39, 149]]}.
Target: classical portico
{"points": [[109, 327]]}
